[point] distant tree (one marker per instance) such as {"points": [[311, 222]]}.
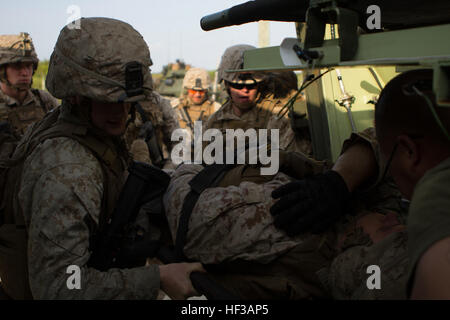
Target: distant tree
{"points": [[40, 75]]}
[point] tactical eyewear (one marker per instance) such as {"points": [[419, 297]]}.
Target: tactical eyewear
{"points": [[194, 91], [240, 86]]}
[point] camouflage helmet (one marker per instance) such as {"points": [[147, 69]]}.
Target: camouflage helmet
{"points": [[103, 59], [233, 59], [197, 79], [17, 48]]}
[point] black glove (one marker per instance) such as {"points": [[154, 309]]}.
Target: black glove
{"points": [[310, 205], [5, 127]]}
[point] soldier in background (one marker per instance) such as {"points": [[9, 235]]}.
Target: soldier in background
{"points": [[251, 103], [195, 102], [150, 130], [282, 98], [20, 105]]}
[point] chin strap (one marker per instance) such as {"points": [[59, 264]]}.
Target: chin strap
{"points": [[9, 84], [4, 79]]}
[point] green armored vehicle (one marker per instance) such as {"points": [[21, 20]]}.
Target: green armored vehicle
{"points": [[347, 51], [171, 83]]}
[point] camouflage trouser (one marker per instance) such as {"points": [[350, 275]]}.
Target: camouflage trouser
{"points": [[315, 270], [291, 276], [350, 277]]}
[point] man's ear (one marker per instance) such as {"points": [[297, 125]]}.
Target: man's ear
{"points": [[409, 151]]}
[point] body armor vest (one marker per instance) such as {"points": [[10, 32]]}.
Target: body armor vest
{"points": [[13, 230], [196, 112], [20, 117]]}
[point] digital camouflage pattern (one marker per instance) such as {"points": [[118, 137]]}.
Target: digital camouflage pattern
{"points": [[92, 61], [13, 49], [239, 227], [197, 79], [21, 115], [349, 277], [289, 140], [72, 174], [164, 120], [268, 113], [62, 176], [17, 48], [382, 194], [262, 116], [373, 235], [233, 223], [233, 59], [196, 112]]}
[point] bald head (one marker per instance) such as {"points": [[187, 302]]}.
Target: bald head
{"points": [[401, 108], [408, 133]]}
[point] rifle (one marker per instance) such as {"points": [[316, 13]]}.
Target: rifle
{"points": [[186, 117], [115, 246], [148, 133]]}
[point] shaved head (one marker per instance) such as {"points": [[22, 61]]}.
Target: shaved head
{"points": [[411, 140], [402, 110]]}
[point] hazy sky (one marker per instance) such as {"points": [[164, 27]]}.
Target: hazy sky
{"points": [[170, 28]]}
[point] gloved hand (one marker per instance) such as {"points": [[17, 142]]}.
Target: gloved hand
{"points": [[310, 205]]}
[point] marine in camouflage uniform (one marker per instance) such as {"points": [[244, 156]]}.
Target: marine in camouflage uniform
{"points": [[374, 235], [195, 104], [74, 167], [164, 121], [257, 260], [263, 112], [20, 105]]}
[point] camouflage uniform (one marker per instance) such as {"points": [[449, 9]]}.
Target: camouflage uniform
{"points": [[195, 79], [347, 275], [332, 264], [164, 120], [73, 173], [231, 230], [264, 114], [19, 48], [244, 210]]}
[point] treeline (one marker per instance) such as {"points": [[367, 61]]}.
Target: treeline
{"points": [[40, 74]]}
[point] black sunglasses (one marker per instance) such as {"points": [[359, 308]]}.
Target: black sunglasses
{"points": [[240, 86]]}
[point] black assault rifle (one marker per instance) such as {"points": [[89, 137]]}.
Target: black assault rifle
{"points": [[147, 132]]}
